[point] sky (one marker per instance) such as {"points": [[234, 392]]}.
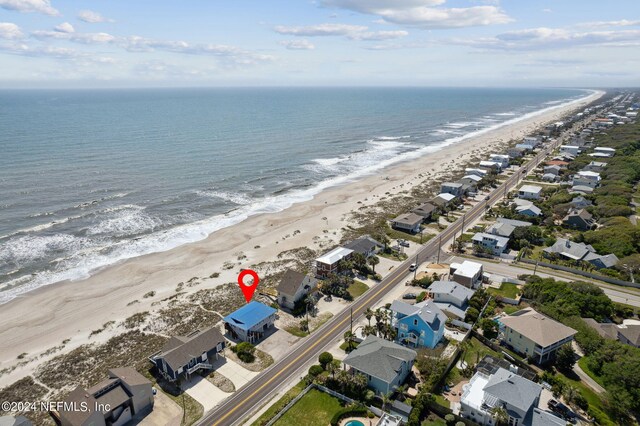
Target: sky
{"points": [[196, 43]]}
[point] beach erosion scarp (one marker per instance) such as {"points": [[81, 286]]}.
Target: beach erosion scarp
{"points": [[69, 311]]}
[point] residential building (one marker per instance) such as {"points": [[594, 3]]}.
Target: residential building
{"points": [[425, 210], [581, 190], [251, 322], [534, 335], [570, 149], [553, 169], [607, 330], [418, 326], [452, 298], [559, 163], [502, 388], [182, 356], [595, 166], [549, 177], [12, 420], [467, 273], [513, 222], [408, 222], [490, 165], [385, 364], [365, 245], [579, 219], [329, 263], [530, 192], [123, 396], [494, 243], [501, 159], [580, 252], [585, 178], [527, 147], [478, 172], [505, 227], [294, 287], [604, 151], [442, 200], [453, 188], [580, 202], [515, 152], [471, 180], [531, 140], [526, 208], [629, 332]]}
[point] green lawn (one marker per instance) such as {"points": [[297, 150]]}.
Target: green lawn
{"points": [[441, 400], [314, 409], [582, 362], [509, 290], [433, 420], [509, 309], [591, 397], [277, 406], [477, 351], [357, 288]]}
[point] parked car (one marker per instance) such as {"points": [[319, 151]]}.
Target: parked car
{"points": [[403, 243], [409, 296], [552, 404], [413, 267]]}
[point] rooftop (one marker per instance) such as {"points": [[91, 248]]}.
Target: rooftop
{"points": [[452, 184], [512, 389], [467, 268], [452, 288], [334, 255], [179, 350], [291, 281], [427, 310], [538, 328], [446, 196], [530, 188], [499, 241], [249, 315], [379, 358], [411, 219], [363, 245]]}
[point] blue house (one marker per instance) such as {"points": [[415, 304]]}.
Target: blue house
{"points": [[385, 364], [419, 325], [250, 322]]}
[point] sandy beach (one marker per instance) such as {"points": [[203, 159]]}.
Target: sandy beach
{"points": [[37, 321]]}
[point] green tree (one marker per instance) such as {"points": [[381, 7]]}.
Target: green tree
{"points": [[489, 328], [373, 261], [245, 351], [500, 415], [325, 359], [368, 314], [565, 358], [315, 370]]}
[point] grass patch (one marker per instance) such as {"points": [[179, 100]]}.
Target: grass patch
{"points": [[314, 409], [394, 234], [433, 420], [296, 331], [584, 365], [510, 309], [343, 346], [592, 398], [477, 350], [441, 400], [393, 256], [276, 407], [357, 288], [508, 290]]}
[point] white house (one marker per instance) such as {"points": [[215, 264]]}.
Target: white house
{"points": [[586, 178], [453, 188], [604, 151], [490, 165], [477, 172], [570, 149], [531, 140], [471, 180], [467, 273], [529, 192], [502, 159], [495, 243], [443, 199]]}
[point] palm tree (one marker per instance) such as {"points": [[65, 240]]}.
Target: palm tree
{"points": [[500, 415], [368, 314], [333, 366], [386, 398], [349, 339], [570, 394], [373, 261], [309, 301], [369, 330], [464, 346]]}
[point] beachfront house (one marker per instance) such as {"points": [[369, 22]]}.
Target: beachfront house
{"points": [[526, 208], [425, 210], [408, 222], [453, 188], [491, 243], [385, 364], [294, 287], [527, 147], [329, 263], [581, 190], [595, 166], [570, 250], [452, 298], [251, 322], [182, 356], [553, 170], [586, 178], [501, 159], [579, 219], [530, 192], [471, 180], [124, 396], [490, 165], [515, 152], [501, 388], [570, 149], [418, 326], [478, 172], [364, 245], [604, 152], [531, 140], [580, 202], [534, 335], [467, 273], [442, 200]]}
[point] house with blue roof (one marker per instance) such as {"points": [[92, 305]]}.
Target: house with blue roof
{"points": [[251, 322], [419, 325]]}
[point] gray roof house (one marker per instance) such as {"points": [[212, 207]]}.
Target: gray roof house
{"points": [[580, 202], [124, 395], [518, 396], [365, 245], [182, 356], [526, 208], [408, 222], [452, 298], [579, 219], [495, 243], [501, 229], [425, 210], [513, 222], [385, 364], [294, 286], [553, 169], [453, 188], [580, 251]]}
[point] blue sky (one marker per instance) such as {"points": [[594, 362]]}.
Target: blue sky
{"points": [[100, 43]]}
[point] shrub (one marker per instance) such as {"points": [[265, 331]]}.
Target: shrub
{"points": [[315, 370], [449, 418], [325, 359], [348, 412], [245, 351]]}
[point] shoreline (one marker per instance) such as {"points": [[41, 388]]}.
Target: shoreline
{"points": [[41, 319]]}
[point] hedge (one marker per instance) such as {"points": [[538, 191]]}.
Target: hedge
{"points": [[348, 412]]}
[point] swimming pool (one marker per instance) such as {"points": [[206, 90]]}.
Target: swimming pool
{"points": [[354, 423]]}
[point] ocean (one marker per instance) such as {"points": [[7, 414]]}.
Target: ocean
{"points": [[90, 178]]}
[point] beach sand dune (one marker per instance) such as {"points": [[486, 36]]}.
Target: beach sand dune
{"points": [[46, 317]]}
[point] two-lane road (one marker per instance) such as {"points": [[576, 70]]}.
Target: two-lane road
{"points": [[244, 401]]}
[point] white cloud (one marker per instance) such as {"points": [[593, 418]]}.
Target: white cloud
{"points": [[85, 38], [65, 27], [10, 30], [547, 10], [39, 6], [601, 24], [298, 44], [423, 14], [321, 30], [92, 17], [353, 32], [552, 38]]}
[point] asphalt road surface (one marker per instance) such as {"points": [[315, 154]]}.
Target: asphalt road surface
{"points": [[243, 402]]}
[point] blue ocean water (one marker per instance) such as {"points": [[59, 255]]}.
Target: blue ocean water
{"points": [[88, 178]]}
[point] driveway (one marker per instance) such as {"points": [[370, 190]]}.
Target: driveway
{"points": [[277, 344], [205, 392], [234, 372], [165, 412]]}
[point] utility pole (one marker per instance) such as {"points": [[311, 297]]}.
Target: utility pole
{"points": [[351, 326], [535, 268], [415, 271], [439, 245]]}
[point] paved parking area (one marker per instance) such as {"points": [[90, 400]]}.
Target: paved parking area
{"points": [[234, 371], [205, 392], [165, 412], [277, 344]]}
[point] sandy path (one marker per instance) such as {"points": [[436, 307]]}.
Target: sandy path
{"points": [[71, 310]]}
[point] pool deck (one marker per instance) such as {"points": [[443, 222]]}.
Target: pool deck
{"points": [[364, 420]]}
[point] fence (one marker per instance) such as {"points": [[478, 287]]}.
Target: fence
{"points": [[609, 280], [289, 405], [462, 324], [499, 349]]}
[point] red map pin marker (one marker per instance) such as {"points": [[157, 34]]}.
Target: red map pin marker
{"points": [[248, 288]]}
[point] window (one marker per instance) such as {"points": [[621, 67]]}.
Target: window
{"points": [[415, 322]]}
